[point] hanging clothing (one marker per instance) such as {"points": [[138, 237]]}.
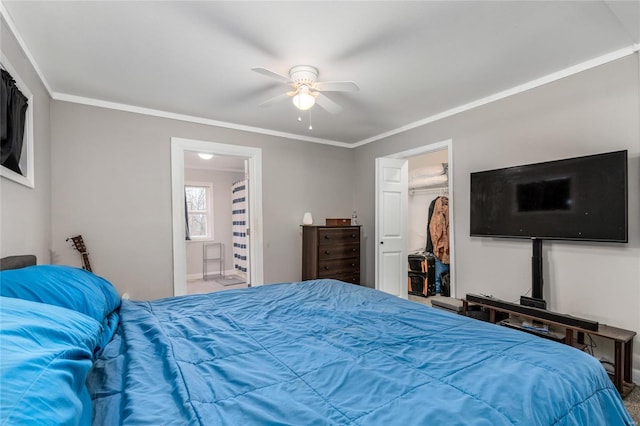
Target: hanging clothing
{"points": [[439, 229], [429, 247]]}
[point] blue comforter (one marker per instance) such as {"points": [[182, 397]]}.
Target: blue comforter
{"points": [[46, 352], [325, 352]]}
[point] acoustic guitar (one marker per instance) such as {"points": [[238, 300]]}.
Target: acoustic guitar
{"points": [[78, 244]]}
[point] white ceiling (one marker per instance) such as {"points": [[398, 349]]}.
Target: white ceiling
{"points": [[221, 163], [413, 60]]}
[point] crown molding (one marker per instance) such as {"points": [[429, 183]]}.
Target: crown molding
{"points": [[189, 118], [12, 26], [586, 65], [592, 63]]}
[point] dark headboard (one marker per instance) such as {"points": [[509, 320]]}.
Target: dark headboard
{"points": [[17, 262]]}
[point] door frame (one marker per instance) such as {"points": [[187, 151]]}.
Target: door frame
{"points": [[414, 152], [254, 157]]}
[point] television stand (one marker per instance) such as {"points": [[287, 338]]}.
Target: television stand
{"points": [[574, 331], [539, 329], [533, 302]]}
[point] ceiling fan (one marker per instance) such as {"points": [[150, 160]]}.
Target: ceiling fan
{"points": [[306, 88]]}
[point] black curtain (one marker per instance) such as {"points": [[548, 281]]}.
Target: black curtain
{"points": [[13, 110], [187, 233]]}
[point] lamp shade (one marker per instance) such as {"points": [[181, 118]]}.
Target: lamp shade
{"points": [[307, 219], [304, 100]]}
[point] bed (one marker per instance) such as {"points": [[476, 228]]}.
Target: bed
{"points": [[313, 352]]}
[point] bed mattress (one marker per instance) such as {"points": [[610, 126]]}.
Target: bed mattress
{"points": [[326, 352]]}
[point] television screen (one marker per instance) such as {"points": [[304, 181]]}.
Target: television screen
{"points": [[583, 198]]}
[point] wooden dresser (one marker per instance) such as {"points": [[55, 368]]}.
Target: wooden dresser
{"points": [[331, 252]]}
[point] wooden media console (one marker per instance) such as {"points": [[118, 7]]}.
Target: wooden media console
{"points": [[574, 331]]}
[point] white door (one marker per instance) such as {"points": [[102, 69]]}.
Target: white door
{"points": [[391, 226]]}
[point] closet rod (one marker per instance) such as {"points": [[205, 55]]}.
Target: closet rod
{"points": [[436, 190]]}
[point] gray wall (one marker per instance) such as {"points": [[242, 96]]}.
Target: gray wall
{"points": [[25, 213], [111, 177], [106, 174], [221, 186], [591, 112]]}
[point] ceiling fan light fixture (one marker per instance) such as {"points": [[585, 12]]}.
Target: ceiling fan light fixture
{"points": [[205, 156], [304, 100]]}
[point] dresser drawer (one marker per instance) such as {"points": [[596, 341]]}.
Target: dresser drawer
{"points": [[339, 251], [331, 252], [348, 278], [328, 268], [338, 236]]}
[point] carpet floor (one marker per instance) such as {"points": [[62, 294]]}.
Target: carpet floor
{"points": [[632, 402]]}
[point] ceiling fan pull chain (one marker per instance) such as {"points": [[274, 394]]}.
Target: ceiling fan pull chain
{"points": [[310, 126]]}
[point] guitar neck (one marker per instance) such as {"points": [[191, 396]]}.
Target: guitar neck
{"points": [[78, 244], [85, 261]]}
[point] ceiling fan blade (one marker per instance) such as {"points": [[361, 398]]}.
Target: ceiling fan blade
{"points": [[336, 86], [328, 104], [274, 100], [271, 74]]}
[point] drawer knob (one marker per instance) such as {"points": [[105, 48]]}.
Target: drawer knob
{"points": [[326, 252], [326, 268], [353, 250], [353, 264], [353, 235], [326, 237]]}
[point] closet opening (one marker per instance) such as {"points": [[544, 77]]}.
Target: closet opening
{"points": [[414, 248], [428, 224]]}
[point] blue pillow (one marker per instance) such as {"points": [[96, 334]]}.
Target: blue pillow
{"points": [[47, 352], [65, 286], [109, 326]]}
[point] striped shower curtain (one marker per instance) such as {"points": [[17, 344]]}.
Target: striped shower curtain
{"points": [[239, 218]]}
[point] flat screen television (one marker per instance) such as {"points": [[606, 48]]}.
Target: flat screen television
{"points": [[582, 198]]}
